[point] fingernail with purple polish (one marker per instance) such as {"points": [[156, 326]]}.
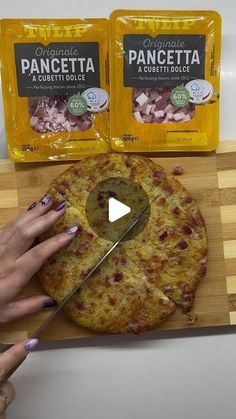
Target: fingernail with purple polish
{"points": [[32, 206], [29, 346], [49, 303], [46, 199], [72, 230], [59, 206]]}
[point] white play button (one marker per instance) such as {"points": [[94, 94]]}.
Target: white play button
{"points": [[113, 205], [117, 210]]}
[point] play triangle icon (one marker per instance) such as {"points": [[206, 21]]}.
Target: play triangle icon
{"points": [[117, 210]]}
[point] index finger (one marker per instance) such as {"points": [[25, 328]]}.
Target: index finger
{"points": [[26, 217], [13, 357], [31, 261]]}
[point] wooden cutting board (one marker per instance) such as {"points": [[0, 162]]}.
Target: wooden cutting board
{"points": [[211, 178]]}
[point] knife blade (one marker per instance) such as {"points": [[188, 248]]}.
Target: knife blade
{"points": [[37, 332]]}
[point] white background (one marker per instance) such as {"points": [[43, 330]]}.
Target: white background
{"points": [[179, 375]]}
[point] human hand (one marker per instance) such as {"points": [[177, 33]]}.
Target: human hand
{"points": [[8, 360], [19, 261]]}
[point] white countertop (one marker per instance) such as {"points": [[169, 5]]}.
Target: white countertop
{"points": [[179, 375]]}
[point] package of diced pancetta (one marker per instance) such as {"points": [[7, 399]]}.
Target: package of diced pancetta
{"points": [[165, 80], [55, 87]]}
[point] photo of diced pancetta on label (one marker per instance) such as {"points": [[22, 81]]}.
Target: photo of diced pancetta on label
{"points": [[55, 88], [50, 114], [153, 105]]}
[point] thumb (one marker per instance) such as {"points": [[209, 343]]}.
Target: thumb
{"points": [[13, 356]]}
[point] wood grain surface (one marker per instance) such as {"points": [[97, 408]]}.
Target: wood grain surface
{"points": [[211, 178]]}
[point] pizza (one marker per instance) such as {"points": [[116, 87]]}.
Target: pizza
{"points": [[145, 278]]}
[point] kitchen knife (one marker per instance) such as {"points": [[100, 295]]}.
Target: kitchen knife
{"points": [[73, 292]]}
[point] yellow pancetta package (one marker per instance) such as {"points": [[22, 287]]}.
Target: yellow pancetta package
{"points": [[164, 80], [55, 87]]}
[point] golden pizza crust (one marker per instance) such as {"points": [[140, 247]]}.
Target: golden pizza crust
{"points": [[139, 285]]}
